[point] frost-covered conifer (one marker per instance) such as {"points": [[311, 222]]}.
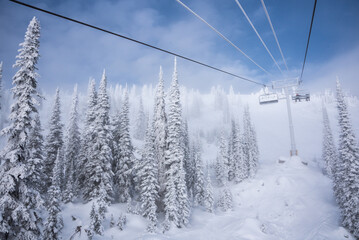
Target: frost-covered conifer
{"points": [[140, 129], [347, 168], [54, 139], [222, 162], [160, 130], [36, 158], [98, 167], [250, 145], [208, 197], [68, 193], [72, 149], [188, 160], [88, 134], [149, 182], [95, 221], [225, 201], [236, 171], [176, 199], [126, 159], [19, 199], [54, 222], [329, 154], [199, 188]]}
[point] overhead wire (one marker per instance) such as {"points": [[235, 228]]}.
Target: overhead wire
{"points": [[306, 49], [221, 35], [275, 35], [260, 38], [136, 41]]}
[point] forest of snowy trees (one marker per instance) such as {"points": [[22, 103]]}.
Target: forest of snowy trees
{"points": [[342, 164], [96, 162], [99, 164]]}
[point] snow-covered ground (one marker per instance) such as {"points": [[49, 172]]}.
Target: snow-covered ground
{"points": [[287, 200], [284, 201]]}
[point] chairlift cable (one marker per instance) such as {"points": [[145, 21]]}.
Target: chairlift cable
{"points": [[306, 50], [221, 35], [260, 38], [136, 41], [275, 35]]}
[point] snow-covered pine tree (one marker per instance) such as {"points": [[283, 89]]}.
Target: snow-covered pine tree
{"points": [[225, 201], [199, 188], [36, 158], [176, 199], [149, 182], [19, 200], [235, 157], [88, 134], [54, 139], [208, 199], [230, 157], [347, 168], [95, 222], [160, 131], [54, 222], [188, 160], [222, 161], [68, 192], [140, 129], [329, 154], [126, 159], [72, 150], [250, 145], [98, 166]]}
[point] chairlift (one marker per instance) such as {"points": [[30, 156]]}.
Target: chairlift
{"points": [[300, 95], [268, 98]]}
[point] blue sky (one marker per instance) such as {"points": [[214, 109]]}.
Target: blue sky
{"points": [[71, 53]]}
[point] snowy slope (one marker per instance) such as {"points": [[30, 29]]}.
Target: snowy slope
{"points": [[283, 201]]}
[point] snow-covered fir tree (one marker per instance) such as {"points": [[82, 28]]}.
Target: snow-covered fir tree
{"points": [[199, 187], [54, 139], [236, 170], [208, 197], [126, 159], [250, 145], [188, 160], [140, 128], [36, 158], [68, 192], [19, 200], [329, 153], [176, 201], [54, 222], [88, 134], [72, 149], [225, 202], [347, 168], [222, 161], [98, 167], [160, 131], [95, 222], [149, 182]]}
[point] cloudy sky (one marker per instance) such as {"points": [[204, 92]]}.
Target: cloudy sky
{"points": [[72, 53]]}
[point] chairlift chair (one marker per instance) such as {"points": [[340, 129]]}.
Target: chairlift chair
{"points": [[301, 95], [268, 98]]}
